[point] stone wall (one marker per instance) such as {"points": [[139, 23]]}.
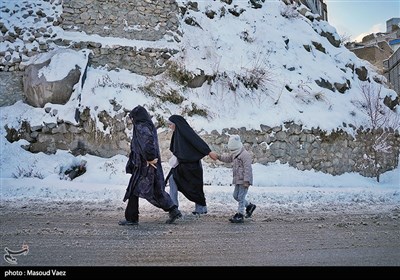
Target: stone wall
{"points": [[11, 88], [144, 20], [79, 139], [305, 149], [148, 20], [330, 152], [146, 62]]}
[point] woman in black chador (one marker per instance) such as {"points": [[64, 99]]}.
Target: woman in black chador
{"points": [[147, 180], [186, 174]]}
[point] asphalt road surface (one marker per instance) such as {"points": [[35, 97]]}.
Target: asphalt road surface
{"points": [[70, 234]]}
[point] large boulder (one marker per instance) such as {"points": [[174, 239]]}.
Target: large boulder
{"points": [[46, 82]]}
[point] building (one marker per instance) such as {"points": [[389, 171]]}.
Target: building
{"points": [[317, 7], [374, 53], [381, 50], [392, 24], [394, 44], [392, 70]]}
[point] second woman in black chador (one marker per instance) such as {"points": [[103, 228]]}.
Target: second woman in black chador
{"points": [[187, 175]]}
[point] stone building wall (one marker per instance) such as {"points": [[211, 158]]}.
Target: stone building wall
{"points": [[375, 54], [392, 71]]}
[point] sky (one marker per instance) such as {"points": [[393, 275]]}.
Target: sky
{"points": [[218, 46], [358, 18]]}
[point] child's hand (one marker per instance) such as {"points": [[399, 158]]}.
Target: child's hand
{"points": [[246, 184]]}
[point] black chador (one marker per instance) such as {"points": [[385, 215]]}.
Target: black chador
{"points": [[189, 148]]}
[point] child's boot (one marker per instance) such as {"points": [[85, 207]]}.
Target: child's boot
{"points": [[238, 218], [250, 209]]}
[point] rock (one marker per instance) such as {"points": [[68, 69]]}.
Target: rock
{"points": [[38, 91]]}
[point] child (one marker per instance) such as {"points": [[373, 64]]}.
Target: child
{"points": [[242, 176]]}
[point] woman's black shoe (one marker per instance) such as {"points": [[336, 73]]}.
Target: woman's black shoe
{"points": [[173, 215]]}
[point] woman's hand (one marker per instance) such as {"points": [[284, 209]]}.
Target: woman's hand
{"points": [[213, 155], [153, 162]]}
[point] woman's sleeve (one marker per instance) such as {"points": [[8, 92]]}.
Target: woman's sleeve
{"points": [[147, 144], [199, 144]]}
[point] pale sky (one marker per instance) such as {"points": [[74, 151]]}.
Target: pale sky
{"points": [[358, 18]]}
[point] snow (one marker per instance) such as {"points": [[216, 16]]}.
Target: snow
{"points": [[217, 47]]}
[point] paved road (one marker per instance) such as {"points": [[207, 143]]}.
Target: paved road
{"points": [[66, 234]]}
